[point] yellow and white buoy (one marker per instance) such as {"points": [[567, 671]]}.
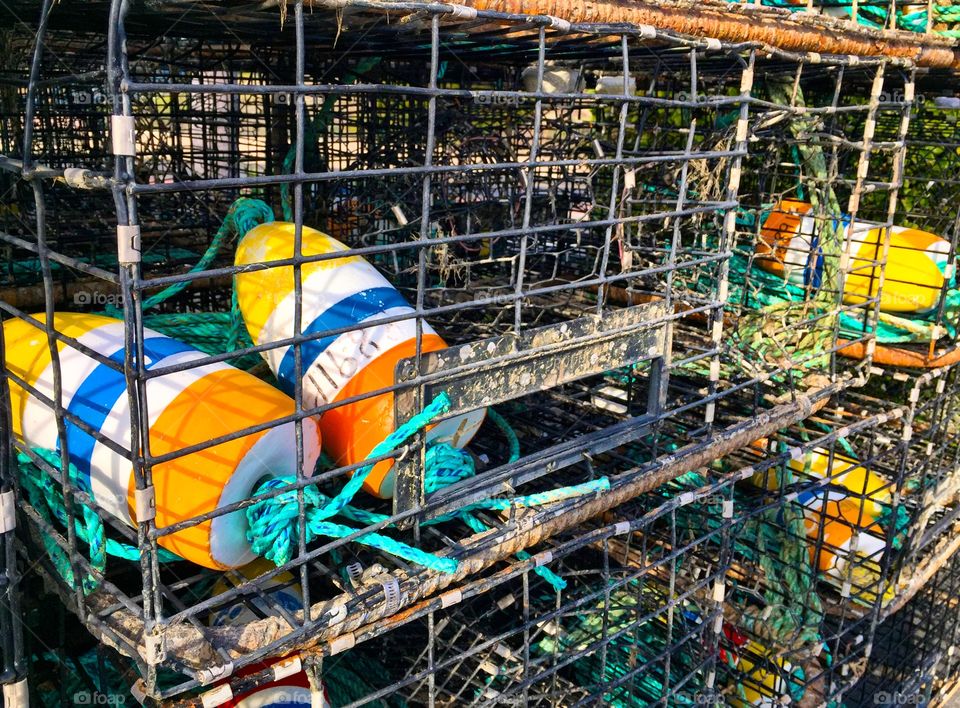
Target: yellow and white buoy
{"points": [[184, 408], [338, 293]]}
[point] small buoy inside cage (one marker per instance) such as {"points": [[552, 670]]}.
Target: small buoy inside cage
{"points": [[291, 685], [184, 408], [843, 520], [760, 676], [790, 245], [846, 543], [337, 293], [556, 80], [873, 490], [279, 591], [764, 679]]}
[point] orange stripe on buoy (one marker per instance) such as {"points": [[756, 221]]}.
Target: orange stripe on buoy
{"points": [[350, 432], [219, 403]]}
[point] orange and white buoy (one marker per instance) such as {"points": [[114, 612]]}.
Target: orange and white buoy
{"points": [[790, 246], [183, 409], [841, 521], [290, 685], [338, 293], [846, 543]]}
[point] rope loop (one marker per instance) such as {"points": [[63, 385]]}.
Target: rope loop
{"points": [[46, 497], [274, 522]]}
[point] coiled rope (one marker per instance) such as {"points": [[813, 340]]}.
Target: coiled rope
{"points": [[273, 531], [46, 497]]}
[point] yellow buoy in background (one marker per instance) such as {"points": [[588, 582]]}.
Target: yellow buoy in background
{"points": [[790, 246]]}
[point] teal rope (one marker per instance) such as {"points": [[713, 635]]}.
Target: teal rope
{"points": [[211, 332], [273, 522], [877, 17], [505, 428], [273, 528], [313, 127], [46, 497], [242, 216]]}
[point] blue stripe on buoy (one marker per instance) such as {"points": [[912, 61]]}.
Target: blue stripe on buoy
{"points": [[349, 311], [813, 273], [97, 396]]}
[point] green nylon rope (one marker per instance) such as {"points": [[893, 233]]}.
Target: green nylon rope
{"points": [[242, 216], [46, 497], [273, 522]]}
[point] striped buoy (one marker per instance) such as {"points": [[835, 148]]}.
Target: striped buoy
{"points": [[286, 693], [337, 293], [789, 246], [872, 489], [183, 408], [279, 590], [290, 686], [832, 521], [766, 679], [762, 677]]}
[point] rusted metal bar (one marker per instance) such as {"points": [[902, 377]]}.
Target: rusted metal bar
{"points": [[734, 22]]}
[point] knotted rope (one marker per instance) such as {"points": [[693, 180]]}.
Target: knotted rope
{"points": [[274, 522]]}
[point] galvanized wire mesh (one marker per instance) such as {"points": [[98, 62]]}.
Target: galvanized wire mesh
{"points": [[580, 211]]}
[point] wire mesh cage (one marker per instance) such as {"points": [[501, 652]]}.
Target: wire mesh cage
{"points": [[842, 531], [805, 278], [924, 224], [930, 457], [251, 248], [812, 551], [880, 14], [914, 655]]}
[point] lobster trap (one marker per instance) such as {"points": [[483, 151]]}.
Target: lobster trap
{"points": [[923, 224], [262, 292], [914, 657], [880, 14], [807, 270]]}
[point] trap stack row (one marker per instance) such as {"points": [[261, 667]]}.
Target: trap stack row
{"points": [[704, 463]]}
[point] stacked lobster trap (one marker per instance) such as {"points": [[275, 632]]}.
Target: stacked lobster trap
{"points": [[419, 354], [915, 654], [927, 18]]}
